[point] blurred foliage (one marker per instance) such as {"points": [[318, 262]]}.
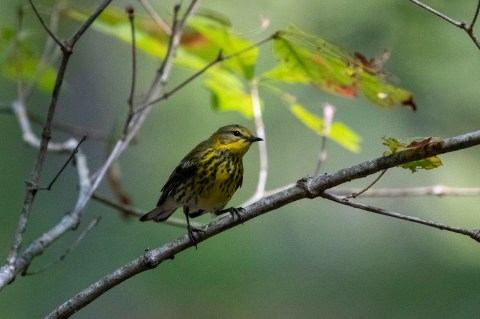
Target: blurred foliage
{"points": [[304, 58], [19, 61], [310, 259]]}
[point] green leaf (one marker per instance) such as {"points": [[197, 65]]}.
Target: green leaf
{"points": [[228, 93], [221, 37], [413, 144], [309, 59], [201, 44], [206, 36], [339, 132], [18, 61]]}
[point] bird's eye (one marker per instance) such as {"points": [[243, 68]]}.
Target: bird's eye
{"points": [[237, 133]]}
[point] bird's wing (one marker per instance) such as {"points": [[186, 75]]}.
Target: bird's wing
{"points": [[182, 172], [240, 182]]}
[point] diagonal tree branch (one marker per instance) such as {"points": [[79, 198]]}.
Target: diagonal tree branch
{"points": [[9, 271], [435, 190], [468, 28], [18, 263], [308, 187], [473, 233]]}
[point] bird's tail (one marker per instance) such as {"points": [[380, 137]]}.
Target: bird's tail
{"points": [[158, 214]]}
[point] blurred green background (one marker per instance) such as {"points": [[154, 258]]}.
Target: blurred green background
{"points": [[310, 259]]}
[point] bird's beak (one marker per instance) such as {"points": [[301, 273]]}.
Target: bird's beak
{"points": [[254, 139]]}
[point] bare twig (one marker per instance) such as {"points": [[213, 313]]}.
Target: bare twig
{"points": [[167, 94], [114, 178], [49, 54], [262, 147], [436, 190], [62, 257], [153, 13], [309, 187], [459, 24], [46, 27], [353, 195], [174, 42], [136, 212], [260, 132], [473, 233], [70, 158], [475, 16], [16, 263], [438, 13], [8, 271], [29, 137], [131, 18], [220, 58], [328, 113]]}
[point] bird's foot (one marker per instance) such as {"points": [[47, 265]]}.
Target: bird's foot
{"points": [[191, 234], [234, 212]]}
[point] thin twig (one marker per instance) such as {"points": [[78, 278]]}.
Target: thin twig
{"points": [[462, 25], [114, 178], [167, 94], [435, 190], [29, 136], [136, 212], [131, 18], [9, 271], [157, 87], [262, 147], [344, 201], [16, 263], [220, 58], [46, 27], [173, 43], [62, 257], [70, 158], [50, 52], [438, 13], [153, 13], [260, 132], [328, 113], [474, 19], [84, 27], [354, 195]]}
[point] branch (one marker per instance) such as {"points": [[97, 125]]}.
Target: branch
{"points": [[328, 112], [220, 58], [9, 271], [436, 190], [474, 233], [17, 263], [459, 24], [131, 211], [131, 19], [360, 192], [92, 224], [262, 147], [308, 187], [154, 15]]}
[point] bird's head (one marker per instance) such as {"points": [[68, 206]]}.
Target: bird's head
{"points": [[234, 138]]}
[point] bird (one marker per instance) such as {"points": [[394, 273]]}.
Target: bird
{"points": [[206, 178]]}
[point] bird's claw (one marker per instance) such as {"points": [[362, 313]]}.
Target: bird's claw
{"points": [[235, 212], [191, 231]]}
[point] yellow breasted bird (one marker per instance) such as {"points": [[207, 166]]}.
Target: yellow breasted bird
{"points": [[206, 178]]}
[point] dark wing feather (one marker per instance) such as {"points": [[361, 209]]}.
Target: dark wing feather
{"points": [[182, 172], [240, 181]]}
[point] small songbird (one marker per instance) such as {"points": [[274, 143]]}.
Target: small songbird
{"points": [[206, 178]]}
